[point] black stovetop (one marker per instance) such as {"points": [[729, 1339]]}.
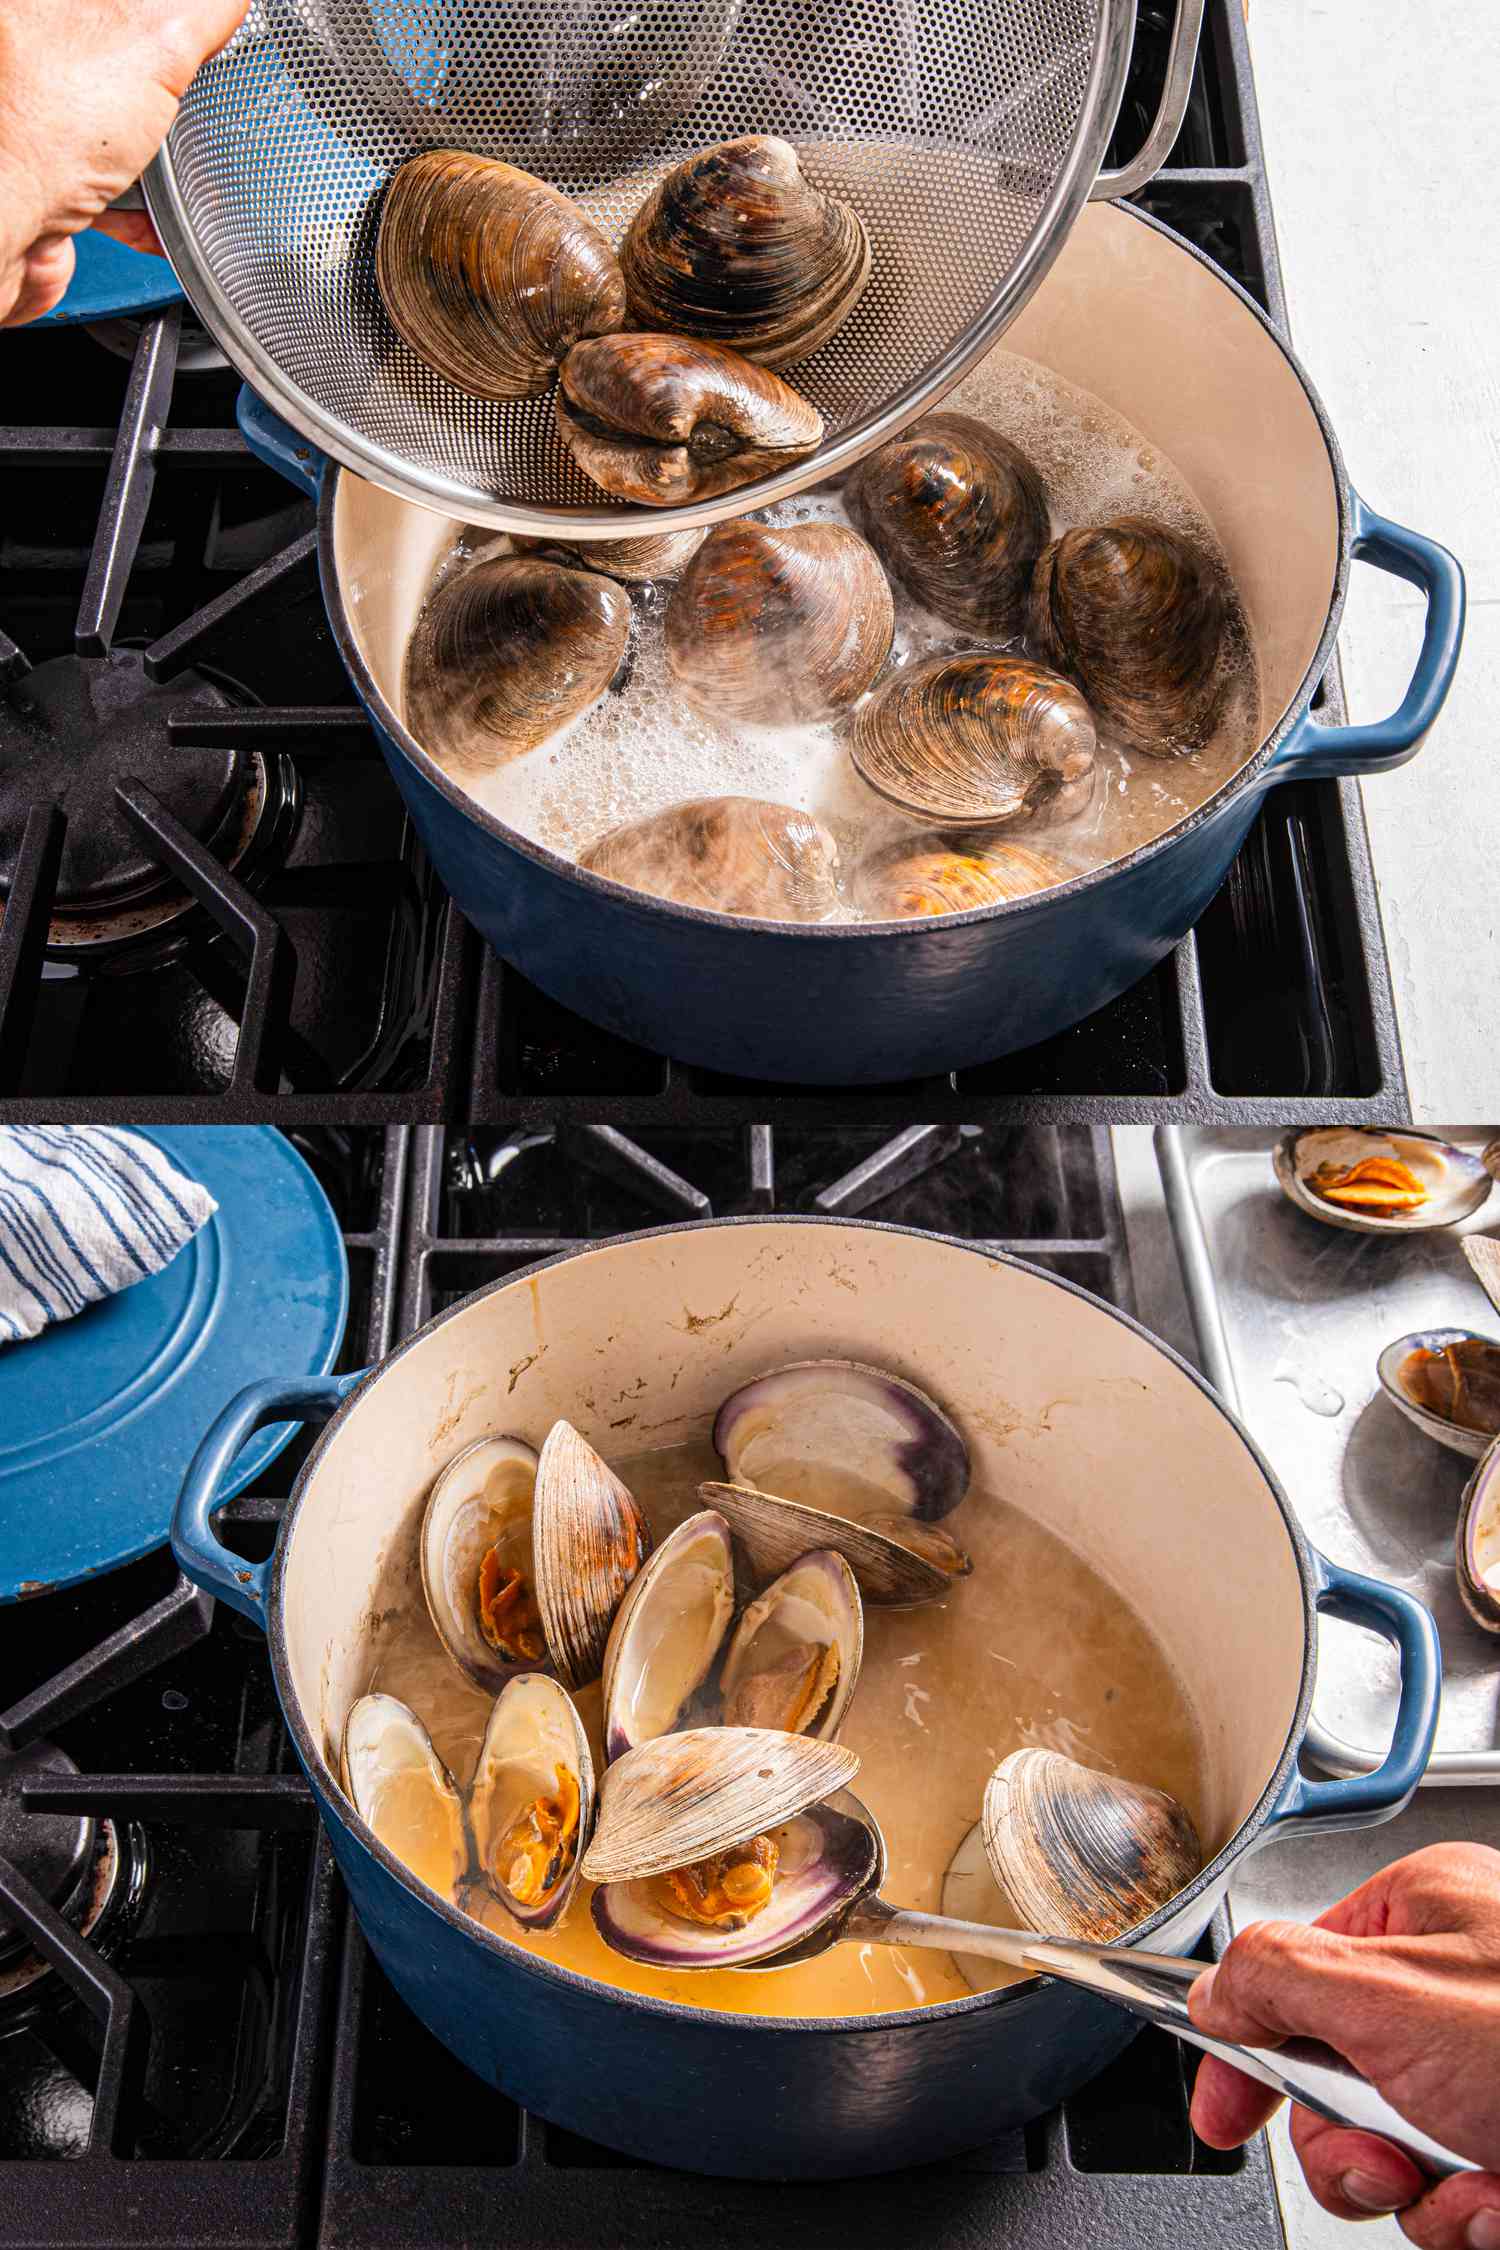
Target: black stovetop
{"points": [[326, 980]]}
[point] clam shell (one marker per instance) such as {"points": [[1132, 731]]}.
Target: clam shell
{"points": [[482, 1499], [736, 247], [813, 1606], [845, 1438], [635, 561], [403, 1792], [1136, 615], [589, 1540], [728, 855], [1080, 1854], [779, 626], [1483, 1362], [508, 652], [913, 878], [667, 1633], [977, 741], [662, 420], [1479, 1543], [958, 514], [1483, 1254], [1457, 1183], [489, 275], [776, 1533], [685, 1796], [533, 1730]]}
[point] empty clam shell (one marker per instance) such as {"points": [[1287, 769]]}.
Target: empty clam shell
{"points": [[667, 1633], [1369, 1181], [685, 1797], [1446, 1381], [531, 1801], [1479, 1543], [475, 1550], [890, 1573], [1080, 1854], [845, 1438], [726, 855], [490, 275], [912, 878], [735, 246], [977, 741], [795, 1657], [1483, 1254], [774, 626], [635, 561], [958, 514], [402, 1791], [589, 1540], [662, 420]]}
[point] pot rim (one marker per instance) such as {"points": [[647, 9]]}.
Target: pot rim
{"points": [[835, 933], [547, 1972]]}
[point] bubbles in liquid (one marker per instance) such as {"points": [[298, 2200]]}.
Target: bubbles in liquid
{"points": [[643, 747]]}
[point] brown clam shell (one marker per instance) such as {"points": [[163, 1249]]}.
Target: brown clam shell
{"points": [[925, 875], [662, 420], [490, 275], [958, 514], [729, 855], [635, 561], [734, 246], [506, 653], [1136, 615], [976, 741], [774, 626]]}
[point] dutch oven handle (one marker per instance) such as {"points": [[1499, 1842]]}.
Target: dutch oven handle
{"points": [[1364, 1799], [278, 445], [1317, 753], [195, 1543]]}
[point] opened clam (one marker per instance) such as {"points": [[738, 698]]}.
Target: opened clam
{"points": [[633, 561], [662, 420], [1081, 1853], [727, 855], [476, 1560], [667, 1633], [1373, 1182], [844, 1438], [489, 275], [915, 877], [958, 514], [896, 1561], [531, 1800], [735, 246], [403, 1792], [1447, 1382], [1137, 615], [771, 626], [589, 1540], [1479, 1543], [977, 741], [795, 1657], [507, 652]]}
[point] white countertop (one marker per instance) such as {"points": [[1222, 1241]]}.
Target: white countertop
{"points": [[1381, 121]]}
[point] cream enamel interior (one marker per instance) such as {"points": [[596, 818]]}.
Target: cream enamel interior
{"points": [[1124, 313], [1070, 1415]]}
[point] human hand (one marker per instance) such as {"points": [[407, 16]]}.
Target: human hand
{"points": [[88, 91], [1403, 1979]]}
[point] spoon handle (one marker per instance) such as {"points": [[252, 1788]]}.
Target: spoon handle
{"points": [[1155, 1987]]}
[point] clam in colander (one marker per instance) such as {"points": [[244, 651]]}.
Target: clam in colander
{"points": [[967, 134]]}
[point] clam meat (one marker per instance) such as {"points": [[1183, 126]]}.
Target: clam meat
{"points": [[1479, 1543], [1447, 1382], [403, 1792], [476, 1558], [977, 741], [531, 1800], [1079, 1853], [915, 877], [896, 1560], [507, 652], [957, 514], [589, 1540], [489, 275], [633, 561], [736, 247], [667, 1633], [847, 1439], [1372, 1182], [771, 626], [662, 420], [726, 855], [1137, 616], [794, 1660]]}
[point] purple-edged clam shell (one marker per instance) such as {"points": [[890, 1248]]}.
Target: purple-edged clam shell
{"points": [[843, 1437], [828, 1860], [1479, 1543]]}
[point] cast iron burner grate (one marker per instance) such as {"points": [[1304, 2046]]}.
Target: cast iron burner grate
{"points": [[339, 986]]}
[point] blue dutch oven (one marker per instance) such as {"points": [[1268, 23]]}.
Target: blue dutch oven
{"points": [[1138, 317], [1074, 1413]]}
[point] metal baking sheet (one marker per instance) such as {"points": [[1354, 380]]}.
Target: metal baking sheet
{"points": [[1291, 1316]]}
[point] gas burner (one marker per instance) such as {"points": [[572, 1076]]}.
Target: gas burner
{"points": [[197, 353], [81, 1866]]}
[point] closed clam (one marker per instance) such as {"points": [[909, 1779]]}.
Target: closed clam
{"points": [[634, 561], [770, 626], [403, 1792], [735, 246], [956, 513], [1137, 615], [977, 741], [912, 878], [728, 855], [589, 1540], [662, 420], [795, 1657], [531, 1801], [1082, 1854], [896, 1562], [476, 1557], [489, 275], [507, 652], [667, 1633]]}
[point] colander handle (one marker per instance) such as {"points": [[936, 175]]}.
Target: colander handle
{"points": [[1159, 142]]}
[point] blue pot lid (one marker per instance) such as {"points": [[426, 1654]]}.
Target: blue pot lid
{"points": [[100, 1415], [110, 280]]}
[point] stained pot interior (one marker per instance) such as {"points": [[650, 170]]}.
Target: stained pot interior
{"points": [[1125, 314], [1070, 1414]]}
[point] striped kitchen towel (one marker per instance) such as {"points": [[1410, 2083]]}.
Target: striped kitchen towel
{"points": [[85, 1210]]}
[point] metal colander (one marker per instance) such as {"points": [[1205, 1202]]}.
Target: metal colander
{"points": [[966, 133]]}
